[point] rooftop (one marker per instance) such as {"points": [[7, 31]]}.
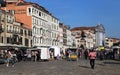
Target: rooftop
{"points": [[83, 28]]}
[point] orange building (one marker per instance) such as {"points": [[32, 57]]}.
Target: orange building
{"points": [[35, 17], [19, 10]]}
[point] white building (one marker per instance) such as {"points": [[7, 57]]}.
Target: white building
{"points": [[89, 37], [69, 38], [45, 28], [43, 24], [65, 36], [60, 36]]}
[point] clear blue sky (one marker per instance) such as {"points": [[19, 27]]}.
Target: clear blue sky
{"points": [[86, 13]]}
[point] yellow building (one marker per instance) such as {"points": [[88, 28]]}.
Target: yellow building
{"points": [[12, 32], [110, 41]]}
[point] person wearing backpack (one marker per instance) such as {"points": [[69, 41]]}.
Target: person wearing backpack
{"points": [[92, 56]]}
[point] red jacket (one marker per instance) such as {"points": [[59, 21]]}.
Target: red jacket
{"points": [[92, 55]]}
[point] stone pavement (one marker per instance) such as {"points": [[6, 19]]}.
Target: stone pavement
{"points": [[62, 67]]}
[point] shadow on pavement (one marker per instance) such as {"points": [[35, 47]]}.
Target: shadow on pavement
{"points": [[111, 63], [83, 66], [100, 64]]}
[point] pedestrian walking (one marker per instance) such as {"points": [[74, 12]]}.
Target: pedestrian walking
{"points": [[92, 56], [86, 54], [29, 56], [13, 59], [10, 59]]}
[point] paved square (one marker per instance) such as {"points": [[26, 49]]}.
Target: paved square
{"points": [[62, 67]]}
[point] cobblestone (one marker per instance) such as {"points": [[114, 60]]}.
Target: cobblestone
{"points": [[62, 67]]}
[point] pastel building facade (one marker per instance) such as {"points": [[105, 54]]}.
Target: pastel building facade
{"points": [[65, 36], [89, 37], [13, 32], [109, 41], [43, 24]]}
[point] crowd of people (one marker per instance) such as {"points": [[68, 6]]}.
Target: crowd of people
{"points": [[12, 56]]}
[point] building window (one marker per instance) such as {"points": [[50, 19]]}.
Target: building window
{"points": [[21, 31], [7, 19], [13, 12], [33, 39], [29, 10], [33, 10], [8, 40], [10, 28], [20, 40], [106, 40], [31, 43], [40, 30], [34, 30], [26, 42], [2, 39], [9, 2], [40, 40], [33, 20], [7, 28], [110, 40], [39, 13], [25, 33], [29, 33]]}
